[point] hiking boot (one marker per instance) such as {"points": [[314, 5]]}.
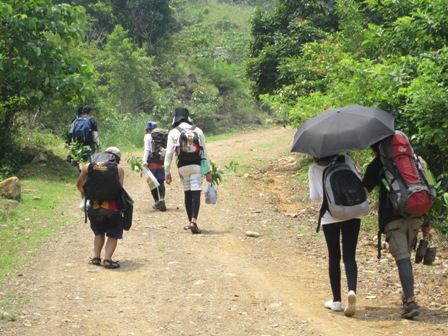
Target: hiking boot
{"points": [[162, 205], [350, 308], [430, 256], [333, 305], [156, 205], [193, 227], [421, 251], [410, 310]]}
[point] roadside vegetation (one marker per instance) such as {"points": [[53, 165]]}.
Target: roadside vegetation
{"points": [[235, 64]]}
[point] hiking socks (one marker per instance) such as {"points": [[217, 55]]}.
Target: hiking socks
{"points": [[406, 276]]}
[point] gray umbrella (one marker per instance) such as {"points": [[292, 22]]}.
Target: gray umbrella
{"points": [[343, 129]]}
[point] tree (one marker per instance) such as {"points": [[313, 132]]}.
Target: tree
{"points": [[36, 64], [279, 35], [125, 73], [101, 18], [147, 21]]}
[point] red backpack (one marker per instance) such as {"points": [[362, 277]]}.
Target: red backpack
{"points": [[408, 189]]}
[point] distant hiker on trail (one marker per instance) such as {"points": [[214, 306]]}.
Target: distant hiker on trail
{"points": [[100, 182], [153, 160], [84, 130], [70, 135], [334, 229], [188, 143], [401, 233]]}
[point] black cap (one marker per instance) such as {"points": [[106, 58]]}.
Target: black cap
{"points": [[80, 111], [86, 109], [181, 114]]}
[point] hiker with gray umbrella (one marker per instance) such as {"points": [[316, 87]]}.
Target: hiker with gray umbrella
{"points": [[334, 180]]}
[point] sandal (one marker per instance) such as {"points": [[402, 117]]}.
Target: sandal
{"points": [[95, 261], [111, 264]]}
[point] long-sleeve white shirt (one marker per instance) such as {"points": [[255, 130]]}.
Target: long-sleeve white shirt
{"points": [[147, 140]]}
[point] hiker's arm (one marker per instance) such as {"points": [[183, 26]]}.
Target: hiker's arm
{"points": [[96, 139], [315, 195], [121, 174], [147, 149], [81, 178]]}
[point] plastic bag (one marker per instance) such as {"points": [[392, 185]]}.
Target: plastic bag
{"points": [[84, 204], [151, 179], [211, 194], [205, 166]]}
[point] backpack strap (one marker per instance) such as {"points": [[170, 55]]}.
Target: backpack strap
{"points": [[323, 209], [180, 129], [324, 206], [85, 210], [338, 159], [379, 245]]}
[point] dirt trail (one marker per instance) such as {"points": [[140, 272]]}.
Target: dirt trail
{"points": [[220, 282]]}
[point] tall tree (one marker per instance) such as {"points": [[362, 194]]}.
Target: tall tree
{"points": [[125, 73], [148, 21], [36, 64], [280, 34]]}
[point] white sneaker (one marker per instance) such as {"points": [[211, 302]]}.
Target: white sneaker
{"points": [[350, 309], [335, 306]]}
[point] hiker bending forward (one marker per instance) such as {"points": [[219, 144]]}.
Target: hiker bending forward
{"points": [[189, 169], [105, 217], [333, 229]]}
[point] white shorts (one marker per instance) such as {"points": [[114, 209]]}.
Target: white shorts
{"points": [[191, 177]]}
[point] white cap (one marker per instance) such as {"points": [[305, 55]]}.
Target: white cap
{"points": [[114, 150]]}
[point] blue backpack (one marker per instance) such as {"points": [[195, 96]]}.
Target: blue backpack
{"points": [[82, 130]]}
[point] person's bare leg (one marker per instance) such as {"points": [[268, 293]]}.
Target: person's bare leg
{"points": [[98, 243], [111, 245]]}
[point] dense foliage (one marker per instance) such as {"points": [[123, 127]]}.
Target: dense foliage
{"points": [[136, 60], [132, 60], [37, 62], [388, 54]]}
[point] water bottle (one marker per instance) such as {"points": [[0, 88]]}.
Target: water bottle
{"points": [[386, 184]]}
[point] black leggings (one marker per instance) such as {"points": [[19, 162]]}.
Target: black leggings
{"points": [[160, 190], [350, 231], [192, 203], [406, 276]]}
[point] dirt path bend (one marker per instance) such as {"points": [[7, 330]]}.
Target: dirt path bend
{"points": [[221, 282]]}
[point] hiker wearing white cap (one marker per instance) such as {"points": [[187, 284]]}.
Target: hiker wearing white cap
{"points": [[101, 182]]}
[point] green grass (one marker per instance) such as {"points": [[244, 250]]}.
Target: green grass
{"points": [[47, 195]]}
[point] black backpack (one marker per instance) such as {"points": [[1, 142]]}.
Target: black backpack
{"points": [[159, 140], [189, 148], [102, 183], [82, 130], [344, 194]]}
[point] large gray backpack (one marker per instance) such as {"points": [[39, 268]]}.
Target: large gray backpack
{"points": [[344, 194]]}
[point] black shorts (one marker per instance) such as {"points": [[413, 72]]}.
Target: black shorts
{"points": [[107, 222]]}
